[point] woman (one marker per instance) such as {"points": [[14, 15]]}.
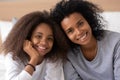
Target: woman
{"points": [[32, 50], [95, 52]]}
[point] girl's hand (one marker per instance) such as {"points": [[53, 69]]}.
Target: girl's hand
{"points": [[32, 52]]}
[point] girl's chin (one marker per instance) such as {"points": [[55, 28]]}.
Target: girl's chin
{"points": [[42, 53]]}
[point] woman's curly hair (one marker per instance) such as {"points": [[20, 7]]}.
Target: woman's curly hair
{"points": [[88, 10]]}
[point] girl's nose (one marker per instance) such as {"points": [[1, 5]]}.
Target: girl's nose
{"points": [[43, 41]]}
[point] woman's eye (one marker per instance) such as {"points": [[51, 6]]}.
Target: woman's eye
{"points": [[80, 24], [69, 31]]}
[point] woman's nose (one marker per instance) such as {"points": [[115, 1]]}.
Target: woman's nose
{"points": [[78, 32]]}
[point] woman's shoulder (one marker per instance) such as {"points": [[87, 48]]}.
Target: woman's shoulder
{"points": [[111, 39], [112, 35]]}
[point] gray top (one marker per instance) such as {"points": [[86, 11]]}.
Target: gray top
{"points": [[105, 66]]}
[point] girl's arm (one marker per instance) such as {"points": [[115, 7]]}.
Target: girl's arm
{"points": [[15, 69], [35, 57]]}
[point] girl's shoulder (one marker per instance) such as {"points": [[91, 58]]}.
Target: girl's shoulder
{"points": [[9, 56], [9, 59], [57, 63]]}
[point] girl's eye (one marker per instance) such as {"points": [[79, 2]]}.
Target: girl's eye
{"points": [[50, 39], [38, 36]]}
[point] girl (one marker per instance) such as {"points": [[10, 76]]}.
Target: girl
{"points": [[32, 50]]}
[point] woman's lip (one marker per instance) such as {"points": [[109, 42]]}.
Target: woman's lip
{"points": [[82, 37]]}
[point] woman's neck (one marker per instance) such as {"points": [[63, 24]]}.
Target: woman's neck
{"points": [[90, 50]]}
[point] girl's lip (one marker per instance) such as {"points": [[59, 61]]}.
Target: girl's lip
{"points": [[40, 48]]}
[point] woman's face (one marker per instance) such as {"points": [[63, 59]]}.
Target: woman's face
{"points": [[77, 29], [42, 38]]}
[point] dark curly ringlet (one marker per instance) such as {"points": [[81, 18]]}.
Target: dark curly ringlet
{"points": [[23, 30], [88, 10]]}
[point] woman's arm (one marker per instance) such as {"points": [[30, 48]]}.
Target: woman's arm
{"points": [[117, 62]]}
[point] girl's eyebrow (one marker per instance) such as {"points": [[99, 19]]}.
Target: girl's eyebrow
{"points": [[38, 33], [42, 33]]}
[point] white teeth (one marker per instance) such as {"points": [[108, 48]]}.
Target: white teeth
{"points": [[42, 47], [82, 38]]}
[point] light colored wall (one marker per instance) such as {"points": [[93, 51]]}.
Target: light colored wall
{"points": [[0, 38], [17, 8], [108, 5]]}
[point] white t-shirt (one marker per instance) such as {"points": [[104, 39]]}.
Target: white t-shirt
{"points": [[45, 71]]}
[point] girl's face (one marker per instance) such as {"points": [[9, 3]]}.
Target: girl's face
{"points": [[77, 29], [42, 38]]}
